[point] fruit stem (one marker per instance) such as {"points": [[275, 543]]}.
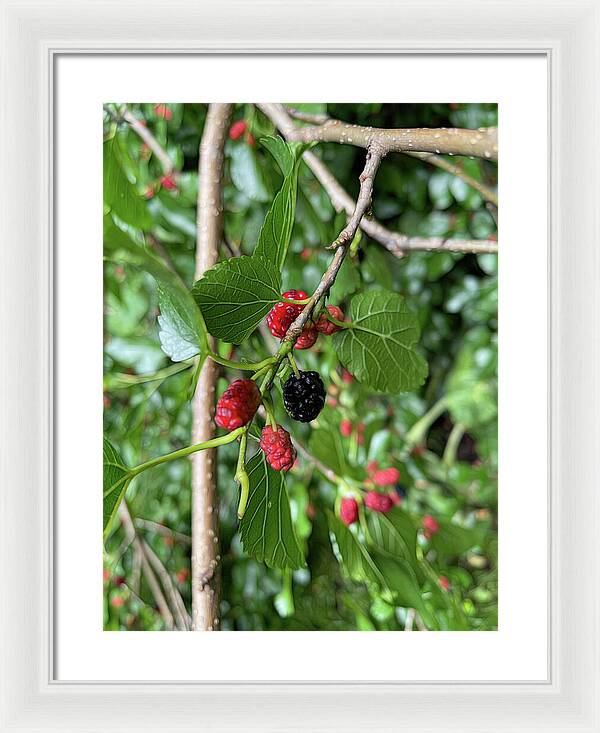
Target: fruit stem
{"points": [[292, 361], [183, 452], [295, 302], [248, 366], [341, 324], [241, 476]]}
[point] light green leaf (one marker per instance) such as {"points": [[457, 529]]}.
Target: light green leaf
{"points": [[246, 173], [472, 384], [116, 479], [274, 237], [392, 576], [119, 194], [182, 332], [266, 528], [379, 348], [234, 296]]}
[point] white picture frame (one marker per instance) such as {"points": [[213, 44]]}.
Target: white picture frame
{"points": [[32, 35]]}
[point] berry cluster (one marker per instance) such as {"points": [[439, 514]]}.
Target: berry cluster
{"points": [[277, 447], [282, 315], [238, 404]]}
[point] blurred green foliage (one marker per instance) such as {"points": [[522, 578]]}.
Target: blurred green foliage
{"points": [[442, 439]]}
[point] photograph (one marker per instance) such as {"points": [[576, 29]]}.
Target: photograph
{"points": [[300, 366]]}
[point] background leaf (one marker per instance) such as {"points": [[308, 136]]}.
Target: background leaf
{"points": [[379, 349], [119, 193], [266, 528], [234, 296], [115, 480], [182, 332]]}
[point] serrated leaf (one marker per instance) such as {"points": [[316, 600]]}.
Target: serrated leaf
{"points": [[115, 480], [266, 528], [379, 347], [234, 296], [182, 332], [119, 194], [274, 237]]}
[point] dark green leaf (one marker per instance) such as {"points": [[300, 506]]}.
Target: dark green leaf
{"points": [[379, 348], [234, 296], [274, 238], [119, 194], [116, 478], [266, 528]]}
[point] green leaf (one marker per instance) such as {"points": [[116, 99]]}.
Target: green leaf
{"points": [[274, 237], [281, 151], [266, 528], [394, 532], [116, 479], [119, 194], [472, 385], [182, 332], [392, 576], [451, 540], [246, 173], [234, 296], [379, 348], [326, 445]]}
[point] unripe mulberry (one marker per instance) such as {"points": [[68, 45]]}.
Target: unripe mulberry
{"points": [[307, 338], [378, 502], [386, 477], [237, 404], [349, 510], [277, 447], [325, 326], [237, 130], [282, 315]]}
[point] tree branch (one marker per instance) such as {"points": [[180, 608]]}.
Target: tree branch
{"points": [[481, 143], [205, 589], [342, 242], [145, 134], [396, 243]]}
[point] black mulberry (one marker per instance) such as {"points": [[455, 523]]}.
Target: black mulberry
{"points": [[304, 396]]}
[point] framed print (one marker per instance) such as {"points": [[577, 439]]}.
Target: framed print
{"points": [[337, 286]]}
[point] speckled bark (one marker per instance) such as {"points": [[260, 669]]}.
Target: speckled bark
{"points": [[205, 529]]}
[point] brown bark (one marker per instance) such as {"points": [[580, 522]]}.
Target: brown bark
{"points": [[205, 544]]}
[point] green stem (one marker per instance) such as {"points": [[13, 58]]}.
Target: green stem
{"points": [[183, 452], [452, 444], [341, 324], [295, 302], [419, 430], [241, 476], [248, 366], [294, 366]]}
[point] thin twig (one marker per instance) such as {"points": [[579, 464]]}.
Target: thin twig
{"points": [[456, 170], [180, 613], [153, 584], [163, 530], [395, 243], [205, 545], [145, 134]]}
